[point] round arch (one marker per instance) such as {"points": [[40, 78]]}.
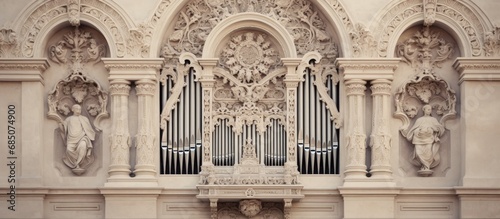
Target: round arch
{"points": [[167, 12], [249, 20], [463, 21], [37, 22]]}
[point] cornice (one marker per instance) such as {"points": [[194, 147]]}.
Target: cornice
{"points": [[478, 69], [133, 69], [20, 64], [18, 69], [119, 64], [368, 68]]}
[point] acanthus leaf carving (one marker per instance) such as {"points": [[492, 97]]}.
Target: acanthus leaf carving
{"points": [[425, 50], [77, 47], [8, 43], [363, 43], [492, 42]]}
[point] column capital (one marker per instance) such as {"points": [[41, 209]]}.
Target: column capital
{"points": [[145, 87], [355, 87], [381, 87], [368, 68], [133, 69], [119, 87]]}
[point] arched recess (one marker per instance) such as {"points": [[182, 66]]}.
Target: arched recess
{"points": [[335, 16], [249, 20], [39, 21], [463, 20]]}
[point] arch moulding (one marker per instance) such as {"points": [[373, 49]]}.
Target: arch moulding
{"points": [[333, 11], [37, 22], [466, 24], [249, 20]]}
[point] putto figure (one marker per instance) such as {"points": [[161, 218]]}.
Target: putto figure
{"points": [[78, 134], [425, 135]]}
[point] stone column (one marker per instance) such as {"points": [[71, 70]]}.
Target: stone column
{"points": [[145, 138], [207, 83], [292, 80], [119, 167], [380, 138], [355, 128]]}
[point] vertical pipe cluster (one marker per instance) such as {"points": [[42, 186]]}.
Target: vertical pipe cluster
{"points": [[317, 143], [181, 139], [223, 150], [275, 144]]}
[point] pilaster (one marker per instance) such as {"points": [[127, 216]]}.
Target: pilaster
{"points": [[29, 117], [479, 91], [207, 83]]}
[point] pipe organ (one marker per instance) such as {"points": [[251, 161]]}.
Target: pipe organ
{"points": [[181, 137], [248, 112], [317, 143]]}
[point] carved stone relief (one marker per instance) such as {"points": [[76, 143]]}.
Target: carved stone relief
{"points": [[425, 102], [253, 209], [8, 43], [454, 10], [302, 20], [50, 10], [79, 94], [492, 42]]}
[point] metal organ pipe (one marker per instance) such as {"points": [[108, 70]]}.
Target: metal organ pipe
{"points": [[181, 139], [317, 141]]}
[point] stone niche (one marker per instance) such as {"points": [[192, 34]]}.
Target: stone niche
{"points": [[425, 99], [75, 77]]}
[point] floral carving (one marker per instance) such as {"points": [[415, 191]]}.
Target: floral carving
{"points": [[249, 56], [426, 49], [363, 43], [8, 43], [492, 42], [301, 19], [78, 48]]}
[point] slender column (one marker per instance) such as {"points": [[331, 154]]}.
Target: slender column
{"points": [[145, 138], [207, 83], [292, 80], [380, 138], [356, 137], [120, 137]]}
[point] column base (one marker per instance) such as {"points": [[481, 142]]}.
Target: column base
{"points": [[122, 203]]}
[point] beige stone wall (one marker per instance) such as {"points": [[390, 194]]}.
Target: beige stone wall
{"points": [[123, 180]]}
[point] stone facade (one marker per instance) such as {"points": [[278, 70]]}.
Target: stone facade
{"points": [[285, 108]]}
